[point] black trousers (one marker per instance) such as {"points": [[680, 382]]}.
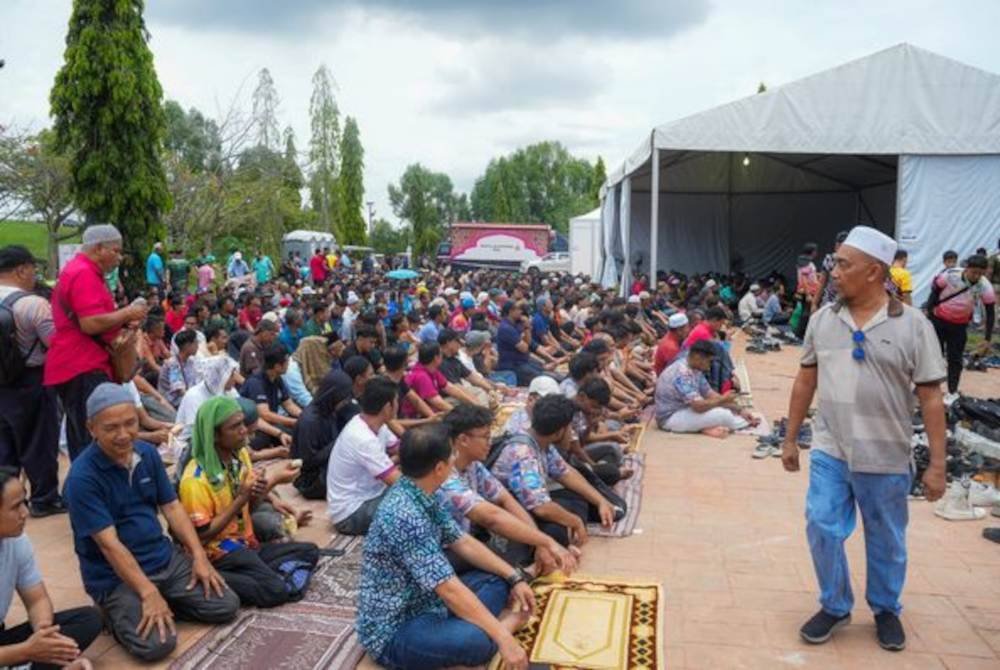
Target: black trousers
{"points": [[73, 396], [29, 434], [952, 337], [82, 625], [252, 575], [574, 504]]}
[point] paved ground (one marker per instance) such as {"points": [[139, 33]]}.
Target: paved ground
{"points": [[725, 534]]}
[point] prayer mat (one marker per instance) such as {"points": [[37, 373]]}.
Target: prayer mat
{"points": [[645, 417], [592, 624], [631, 491], [316, 632]]}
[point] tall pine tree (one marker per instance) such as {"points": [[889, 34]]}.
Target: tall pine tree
{"points": [[108, 117], [352, 185], [324, 148], [265, 111]]}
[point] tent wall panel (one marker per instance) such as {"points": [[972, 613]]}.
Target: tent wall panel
{"points": [[693, 235], [946, 202]]}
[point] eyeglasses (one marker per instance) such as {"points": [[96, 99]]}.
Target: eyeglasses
{"points": [[859, 350]]}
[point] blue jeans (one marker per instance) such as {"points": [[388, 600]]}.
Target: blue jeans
{"points": [[508, 377], [430, 641], [834, 494]]}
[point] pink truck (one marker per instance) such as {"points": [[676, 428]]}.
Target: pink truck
{"points": [[494, 245]]}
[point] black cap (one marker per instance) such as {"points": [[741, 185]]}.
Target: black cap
{"points": [[15, 255]]}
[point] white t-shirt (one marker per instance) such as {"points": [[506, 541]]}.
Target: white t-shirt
{"points": [[358, 459], [466, 360]]}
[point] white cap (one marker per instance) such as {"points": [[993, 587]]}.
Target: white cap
{"points": [[308, 290], [754, 288], [483, 296], [352, 298], [677, 320], [710, 284], [271, 316], [545, 282], [633, 300], [644, 295], [450, 291], [543, 386], [875, 243]]}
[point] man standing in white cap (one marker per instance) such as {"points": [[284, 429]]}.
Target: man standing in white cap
{"points": [[865, 353]]}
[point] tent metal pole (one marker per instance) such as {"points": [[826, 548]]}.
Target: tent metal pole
{"points": [[654, 219], [729, 209]]}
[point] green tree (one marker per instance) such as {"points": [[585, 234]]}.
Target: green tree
{"points": [[292, 171], [387, 239], [427, 201], [194, 138], [600, 176], [35, 181], [265, 111], [107, 107], [351, 226], [541, 183], [324, 148], [761, 87]]}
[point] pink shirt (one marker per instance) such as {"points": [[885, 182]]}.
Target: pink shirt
{"points": [[82, 290], [427, 384], [959, 309], [206, 275], [700, 332]]}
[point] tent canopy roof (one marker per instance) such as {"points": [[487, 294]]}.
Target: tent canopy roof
{"points": [[903, 100]]}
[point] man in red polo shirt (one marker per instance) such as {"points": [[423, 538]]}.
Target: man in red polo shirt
{"points": [[715, 320], [86, 321], [317, 268], [670, 344]]}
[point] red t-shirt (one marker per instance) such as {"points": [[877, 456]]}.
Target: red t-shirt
{"points": [[317, 266], [700, 332], [427, 384], [249, 318], [666, 352], [174, 319], [72, 352]]}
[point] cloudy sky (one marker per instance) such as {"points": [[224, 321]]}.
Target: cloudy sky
{"points": [[452, 83]]}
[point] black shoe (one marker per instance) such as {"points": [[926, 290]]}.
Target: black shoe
{"points": [[822, 626], [889, 631], [39, 510], [992, 534]]}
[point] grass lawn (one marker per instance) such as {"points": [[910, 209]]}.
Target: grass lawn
{"points": [[30, 234]]}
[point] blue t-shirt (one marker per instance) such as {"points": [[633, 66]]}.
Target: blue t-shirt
{"points": [[772, 308], [429, 332], [99, 494], [508, 337], [263, 268], [539, 328], [154, 269]]}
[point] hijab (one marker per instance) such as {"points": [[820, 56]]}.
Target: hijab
{"points": [[215, 372], [314, 361], [211, 415]]}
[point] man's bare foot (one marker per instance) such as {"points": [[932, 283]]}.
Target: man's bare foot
{"points": [[625, 473], [514, 621], [717, 432]]}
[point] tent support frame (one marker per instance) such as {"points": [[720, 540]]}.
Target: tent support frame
{"points": [[654, 219]]}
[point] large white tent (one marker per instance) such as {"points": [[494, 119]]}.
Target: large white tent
{"points": [[905, 140]]}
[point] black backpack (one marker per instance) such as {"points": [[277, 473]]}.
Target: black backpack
{"points": [[12, 363]]}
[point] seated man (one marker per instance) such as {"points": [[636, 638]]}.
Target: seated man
{"points": [[413, 612], [774, 315], [514, 345], [266, 388], [178, 373], [685, 403], [365, 344], [456, 372], [529, 461], [129, 567], [474, 497], [670, 344], [426, 379], [595, 442], [317, 431], [48, 639], [581, 367], [360, 469], [750, 306], [252, 351], [218, 490]]}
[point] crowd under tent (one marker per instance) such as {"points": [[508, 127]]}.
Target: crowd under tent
{"points": [[904, 140]]}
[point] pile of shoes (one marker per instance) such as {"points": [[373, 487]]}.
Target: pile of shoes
{"points": [[770, 445], [763, 344], [788, 337], [966, 500], [974, 363]]}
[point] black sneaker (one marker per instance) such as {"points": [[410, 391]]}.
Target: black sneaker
{"points": [[822, 626], [889, 631], [39, 510], [992, 534]]}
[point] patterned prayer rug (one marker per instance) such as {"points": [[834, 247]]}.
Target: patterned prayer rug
{"points": [[316, 632], [631, 490], [594, 624]]}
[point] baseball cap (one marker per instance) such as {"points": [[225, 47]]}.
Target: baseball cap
{"points": [[543, 386], [468, 303]]}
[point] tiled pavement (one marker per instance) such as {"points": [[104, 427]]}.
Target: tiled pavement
{"points": [[725, 535]]}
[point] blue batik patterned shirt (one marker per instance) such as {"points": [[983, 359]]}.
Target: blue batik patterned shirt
{"points": [[467, 488], [403, 563]]}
